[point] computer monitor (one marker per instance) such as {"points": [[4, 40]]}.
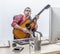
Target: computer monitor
{"points": [[55, 24]]}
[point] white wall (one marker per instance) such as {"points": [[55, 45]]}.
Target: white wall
{"points": [[9, 8]]}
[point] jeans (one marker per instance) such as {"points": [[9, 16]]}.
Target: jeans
{"points": [[15, 37]]}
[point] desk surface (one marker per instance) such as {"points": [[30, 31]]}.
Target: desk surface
{"points": [[45, 49]]}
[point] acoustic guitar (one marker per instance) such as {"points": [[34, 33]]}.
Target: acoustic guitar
{"points": [[29, 24]]}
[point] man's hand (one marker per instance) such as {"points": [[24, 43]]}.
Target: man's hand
{"points": [[26, 30], [37, 17]]}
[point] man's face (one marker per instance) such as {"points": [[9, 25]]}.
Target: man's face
{"points": [[27, 12]]}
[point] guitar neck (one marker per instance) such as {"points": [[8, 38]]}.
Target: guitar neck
{"points": [[46, 7], [38, 14], [40, 11]]}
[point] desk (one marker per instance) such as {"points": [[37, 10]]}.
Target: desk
{"points": [[45, 49]]}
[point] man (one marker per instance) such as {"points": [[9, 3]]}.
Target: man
{"points": [[19, 19]]}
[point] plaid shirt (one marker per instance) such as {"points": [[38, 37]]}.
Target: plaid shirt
{"points": [[18, 19]]}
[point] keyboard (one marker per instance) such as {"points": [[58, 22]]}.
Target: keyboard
{"points": [[22, 41]]}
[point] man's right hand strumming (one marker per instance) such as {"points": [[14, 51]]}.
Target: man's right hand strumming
{"points": [[26, 30], [23, 29]]}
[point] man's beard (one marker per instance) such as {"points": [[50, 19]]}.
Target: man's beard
{"points": [[28, 15]]}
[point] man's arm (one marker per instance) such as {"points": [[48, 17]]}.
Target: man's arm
{"points": [[15, 25], [23, 29]]}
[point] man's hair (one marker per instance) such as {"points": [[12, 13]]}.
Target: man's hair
{"points": [[27, 8]]}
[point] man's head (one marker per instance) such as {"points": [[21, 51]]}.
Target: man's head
{"points": [[27, 11]]}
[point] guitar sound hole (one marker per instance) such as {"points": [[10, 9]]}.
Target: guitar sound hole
{"points": [[27, 25]]}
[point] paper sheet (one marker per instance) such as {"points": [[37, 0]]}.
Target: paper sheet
{"points": [[4, 43]]}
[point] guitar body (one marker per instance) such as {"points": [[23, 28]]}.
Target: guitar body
{"points": [[19, 34]]}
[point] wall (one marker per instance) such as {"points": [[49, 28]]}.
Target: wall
{"points": [[9, 8]]}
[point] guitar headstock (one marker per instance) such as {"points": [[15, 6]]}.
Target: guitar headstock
{"points": [[47, 6]]}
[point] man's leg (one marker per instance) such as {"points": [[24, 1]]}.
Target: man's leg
{"points": [[15, 37]]}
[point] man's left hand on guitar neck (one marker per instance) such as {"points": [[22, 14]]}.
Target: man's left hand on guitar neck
{"points": [[37, 17]]}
